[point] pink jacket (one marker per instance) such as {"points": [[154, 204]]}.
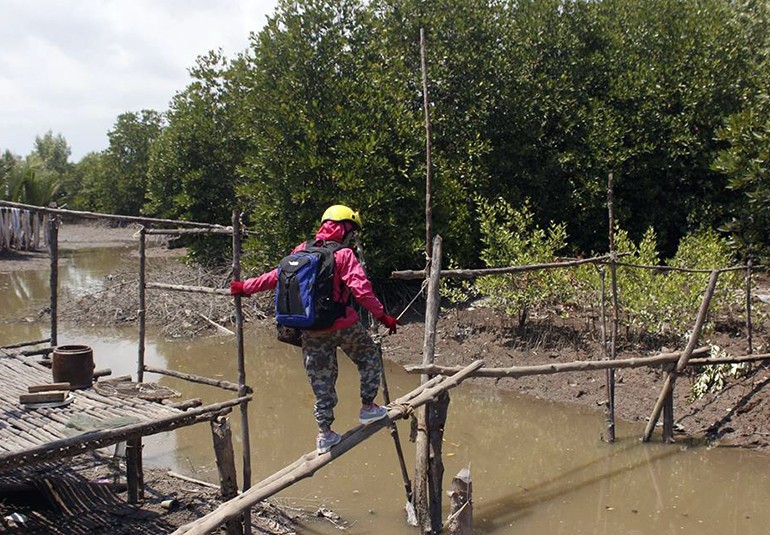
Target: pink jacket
{"points": [[349, 278]]}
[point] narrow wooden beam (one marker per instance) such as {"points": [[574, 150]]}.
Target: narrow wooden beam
{"points": [[219, 383], [109, 217], [310, 463], [473, 273], [575, 366], [184, 288], [25, 344]]}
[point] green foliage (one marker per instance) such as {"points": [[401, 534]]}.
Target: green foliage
{"points": [[31, 182], [532, 99], [511, 238], [666, 302], [746, 161], [120, 183], [334, 125], [712, 378]]}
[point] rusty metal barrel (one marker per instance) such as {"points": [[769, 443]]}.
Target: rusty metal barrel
{"points": [[73, 364]]}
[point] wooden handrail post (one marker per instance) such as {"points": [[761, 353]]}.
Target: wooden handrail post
{"points": [[236, 222], [425, 503], [53, 251], [142, 312]]}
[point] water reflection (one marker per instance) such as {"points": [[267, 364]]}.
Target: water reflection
{"points": [[537, 467]]}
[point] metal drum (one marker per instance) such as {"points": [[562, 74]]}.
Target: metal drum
{"points": [[73, 364]]}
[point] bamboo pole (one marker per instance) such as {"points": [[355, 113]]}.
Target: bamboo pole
{"points": [[310, 463], [184, 288], [680, 269], [576, 366], [142, 303], [111, 217], [670, 380], [53, 248], [424, 503], [749, 329], [428, 147], [614, 330], [190, 231], [246, 450], [219, 383], [473, 273], [25, 344]]}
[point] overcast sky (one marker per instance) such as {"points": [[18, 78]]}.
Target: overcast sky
{"points": [[72, 67]]}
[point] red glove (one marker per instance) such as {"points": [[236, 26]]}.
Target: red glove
{"points": [[390, 322], [236, 288]]}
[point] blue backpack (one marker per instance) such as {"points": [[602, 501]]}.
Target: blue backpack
{"points": [[303, 297]]}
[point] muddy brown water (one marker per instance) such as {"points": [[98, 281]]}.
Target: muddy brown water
{"points": [[537, 467]]}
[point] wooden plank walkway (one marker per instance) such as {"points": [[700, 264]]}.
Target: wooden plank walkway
{"points": [[90, 421]]}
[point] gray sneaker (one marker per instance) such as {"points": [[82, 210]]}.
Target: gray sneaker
{"points": [[372, 413], [326, 440]]}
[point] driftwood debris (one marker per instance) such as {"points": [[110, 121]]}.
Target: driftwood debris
{"points": [[460, 520], [310, 463]]}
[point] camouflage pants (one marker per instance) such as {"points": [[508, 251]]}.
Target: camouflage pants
{"points": [[319, 354]]}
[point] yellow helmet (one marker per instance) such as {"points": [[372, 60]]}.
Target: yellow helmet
{"points": [[339, 212]]}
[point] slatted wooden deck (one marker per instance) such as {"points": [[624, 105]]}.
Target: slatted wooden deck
{"points": [[91, 421]]}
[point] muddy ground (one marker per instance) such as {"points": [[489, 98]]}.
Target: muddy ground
{"points": [[736, 416]]}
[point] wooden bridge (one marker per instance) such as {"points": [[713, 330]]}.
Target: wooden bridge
{"points": [[32, 438]]}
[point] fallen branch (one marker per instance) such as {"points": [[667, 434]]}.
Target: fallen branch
{"points": [[193, 480], [218, 327]]}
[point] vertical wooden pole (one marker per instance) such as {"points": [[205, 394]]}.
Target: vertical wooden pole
{"points": [[428, 147], [422, 443], [670, 379], [749, 329], [668, 416], [53, 249], [437, 414], [461, 504], [242, 390], [134, 472], [614, 333], [225, 457], [142, 303]]}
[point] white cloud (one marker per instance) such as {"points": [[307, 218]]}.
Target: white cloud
{"points": [[73, 67]]}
